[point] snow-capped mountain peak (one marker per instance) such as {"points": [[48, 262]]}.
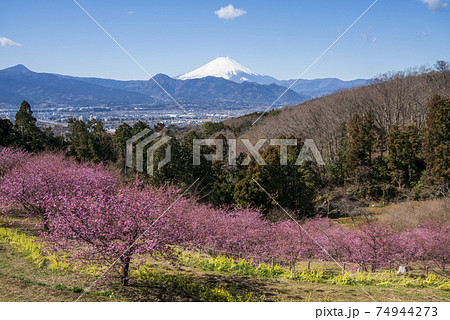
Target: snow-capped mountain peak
{"points": [[223, 67]]}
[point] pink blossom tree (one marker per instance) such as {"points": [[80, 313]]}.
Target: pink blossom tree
{"points": [[434, 241], [114, 228], [10, 157], [34, 183]]}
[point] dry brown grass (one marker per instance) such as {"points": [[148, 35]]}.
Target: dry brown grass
{"points": [[409, 214]]}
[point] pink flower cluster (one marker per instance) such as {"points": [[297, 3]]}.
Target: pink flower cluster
{"points": [[34, 182], [86, 210], [10, 157], [369, 246]]}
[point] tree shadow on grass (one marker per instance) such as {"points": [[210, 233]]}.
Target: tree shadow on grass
{"points": [[182, 287]]}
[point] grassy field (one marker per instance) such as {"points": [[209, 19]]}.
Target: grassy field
{"points": [[23, 279]]}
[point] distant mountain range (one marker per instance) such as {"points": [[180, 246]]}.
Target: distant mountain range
{"points": [[18, 83], [207, 90], [218, 83], [227, 68]]}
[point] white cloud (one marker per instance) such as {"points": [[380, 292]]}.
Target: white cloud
{"points": [[422, 34], [5, 42], [435, 4], [229, 12], [131, 12], [366, 37]]}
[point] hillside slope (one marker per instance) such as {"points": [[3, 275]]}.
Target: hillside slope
{"points": [[394, 99]]}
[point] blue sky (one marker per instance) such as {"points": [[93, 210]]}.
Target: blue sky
{"points": [[277, 38]]}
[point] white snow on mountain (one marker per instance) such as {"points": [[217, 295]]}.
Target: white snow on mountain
{"points": [[223, 67], [227, 68]]}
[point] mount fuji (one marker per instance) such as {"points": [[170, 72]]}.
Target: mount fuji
{"points": [[229, 69]]}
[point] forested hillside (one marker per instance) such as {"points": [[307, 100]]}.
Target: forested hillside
{"points": [[394, 99], [384, 142]]}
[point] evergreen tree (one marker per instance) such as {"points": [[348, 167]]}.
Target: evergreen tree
{"points": [[188, 172], [90, 141], [120, 137], [437, 141], [170, 172], [361, 141], [138, 127], [292, 186], [30, 136], [7, 134], [405, 161], [337, 167], [210, 128], [224, 176]]}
